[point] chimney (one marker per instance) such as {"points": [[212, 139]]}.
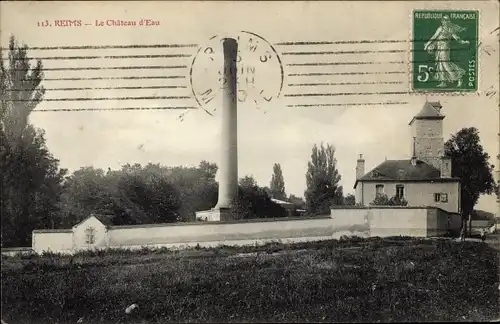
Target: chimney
{"points": [[437, 106], [360, 167], [445, 167], [414, 153]]}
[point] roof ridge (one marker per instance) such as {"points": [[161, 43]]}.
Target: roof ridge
{"points": [[402, 170]]}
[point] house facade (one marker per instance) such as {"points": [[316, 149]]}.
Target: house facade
{"points": [[422, 180]]}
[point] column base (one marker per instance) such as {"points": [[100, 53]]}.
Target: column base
{"points": [[214, 215]]}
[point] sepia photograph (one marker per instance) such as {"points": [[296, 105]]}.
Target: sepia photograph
{"points": [[249, 161]]}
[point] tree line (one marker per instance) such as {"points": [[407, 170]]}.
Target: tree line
{"points": [[37, 193]]}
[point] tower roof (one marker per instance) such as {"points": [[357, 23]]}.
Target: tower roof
{"points": [[430, 110]]}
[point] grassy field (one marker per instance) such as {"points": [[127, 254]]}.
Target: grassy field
{"points": [[353, 280]]}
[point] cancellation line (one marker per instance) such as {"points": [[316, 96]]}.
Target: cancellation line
{"points": [[119, 78], [344, 63], [342, 52], [146, 67], [333, 94], [106, 98], [350, 104], [110, 88], [341, 42], [84, 47], [395, 41], [342, 83], [366, 52], [345, 73], [103, 57], [113, 109]]}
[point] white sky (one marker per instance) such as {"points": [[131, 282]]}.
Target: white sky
{"points": [[282, 134]]}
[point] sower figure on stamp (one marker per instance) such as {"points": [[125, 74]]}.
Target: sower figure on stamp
{"points": [[439, 46]]}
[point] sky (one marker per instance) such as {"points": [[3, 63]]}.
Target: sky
{"points": [[362, 80]]}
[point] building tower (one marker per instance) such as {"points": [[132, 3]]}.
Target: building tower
{"points": [[427, 142]]}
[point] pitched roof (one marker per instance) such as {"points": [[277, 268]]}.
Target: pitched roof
{"points": [[104, 219], [401, 170], [430, 110]]}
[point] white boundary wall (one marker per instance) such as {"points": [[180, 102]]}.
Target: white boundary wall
{"points": [[57, 242], [359, 221]]}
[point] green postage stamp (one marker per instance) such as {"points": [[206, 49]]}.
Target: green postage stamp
{"points": [[445, 51]]}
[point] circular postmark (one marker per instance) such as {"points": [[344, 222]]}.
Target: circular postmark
{"points": [[259, 72]]}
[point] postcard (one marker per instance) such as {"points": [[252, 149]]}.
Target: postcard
{"points": [[250, 161]]}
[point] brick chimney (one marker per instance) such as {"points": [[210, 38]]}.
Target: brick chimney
{"points": [[445, 167], [414, 153], [360, 167]]}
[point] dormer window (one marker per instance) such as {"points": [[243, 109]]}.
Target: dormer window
{"points": [[375, 174]]}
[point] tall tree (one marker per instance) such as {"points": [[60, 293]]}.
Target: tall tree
{"points": [[88, 190], [248, 182], [31, 178], [471, 164], [146, 200], [139, 194], [322, 180], [277, 185], [197, 187]]}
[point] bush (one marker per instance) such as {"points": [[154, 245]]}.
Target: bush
{"points": [[384, 200]]}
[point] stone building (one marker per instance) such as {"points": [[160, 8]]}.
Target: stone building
{"points": [[425, 178]]}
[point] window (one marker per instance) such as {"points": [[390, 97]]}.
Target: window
{"points": [[400, 191], [441, 197], [90, 236], [379, 189]]}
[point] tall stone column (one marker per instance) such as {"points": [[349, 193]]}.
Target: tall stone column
{"points": [[228, 168], [228, 165]]}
